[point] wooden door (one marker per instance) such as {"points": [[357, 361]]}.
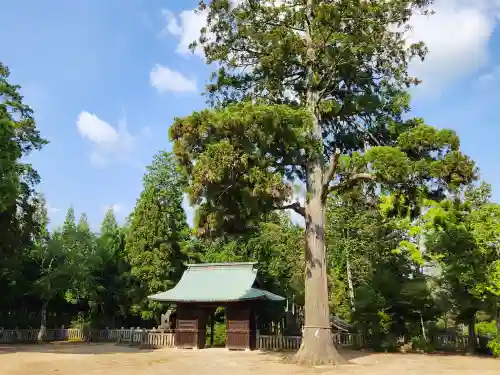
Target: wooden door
{"points": [[190, 327], [238, 328]]}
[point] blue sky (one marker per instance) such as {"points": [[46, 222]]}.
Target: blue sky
{"points": [[106, 79]]}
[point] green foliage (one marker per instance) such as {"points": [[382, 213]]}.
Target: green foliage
{"points": [[422, 344], [266, 132], [81, 322], [19, 228], [219, 334], [18, 137], [494, 346], [155, 235], [486, 328], [242, 154], [389, 293]]}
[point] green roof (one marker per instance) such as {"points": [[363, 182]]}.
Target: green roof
{"points": [[216, 282]]}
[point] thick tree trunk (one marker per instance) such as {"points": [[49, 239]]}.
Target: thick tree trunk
{"points": [[43, 322], [317, 346]]}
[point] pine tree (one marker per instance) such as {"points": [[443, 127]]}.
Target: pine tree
{"points": [[157, 228], [311, 91]]}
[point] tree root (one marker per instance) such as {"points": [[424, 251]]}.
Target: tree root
{"points": [[317, 349]]}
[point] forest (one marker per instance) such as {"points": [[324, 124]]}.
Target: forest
{"points": [[401, 237]]}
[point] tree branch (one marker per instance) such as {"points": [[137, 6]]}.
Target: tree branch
{"points": [[333, 166], [293, 206], [330, 172], [350, 182]]}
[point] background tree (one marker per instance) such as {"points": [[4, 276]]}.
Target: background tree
{"points": [[110, 300], [485, 225], [313, 91], [155, 235], [18, 227], [53, 265]]}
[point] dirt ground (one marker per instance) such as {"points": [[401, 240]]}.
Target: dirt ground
{"points": [[110, 359]]}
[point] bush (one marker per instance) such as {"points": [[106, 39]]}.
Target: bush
{"points": [[419, 343], [390, 343], [486, 328], [494, 346]]}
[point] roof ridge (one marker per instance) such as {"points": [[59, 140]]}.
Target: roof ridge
{"points": [[228, 264]]}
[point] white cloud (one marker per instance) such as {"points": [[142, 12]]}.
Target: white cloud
{"points": [[164, 79], [186, 27], [457, 36], [109, 142]]}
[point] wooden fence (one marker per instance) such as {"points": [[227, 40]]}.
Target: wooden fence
{"points": [[133, 336], [452, 342], [162, 339], [278, 342]]}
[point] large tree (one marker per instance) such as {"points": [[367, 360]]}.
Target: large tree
{"points": [[19, 228], [311, 91], [157, 229]]}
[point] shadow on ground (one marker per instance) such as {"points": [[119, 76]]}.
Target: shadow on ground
{"points": [[71, 348]]}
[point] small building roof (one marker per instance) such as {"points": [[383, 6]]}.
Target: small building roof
{"points": [[340, 324], [217, 282]]}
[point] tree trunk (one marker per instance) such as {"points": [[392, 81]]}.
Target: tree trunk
{"points": [[349, 283], [423, 327], [43, 322], [471, 347], [317, 347]]}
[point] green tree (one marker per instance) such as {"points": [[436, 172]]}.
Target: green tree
{"points": [[18, 227], [111, 302], [454, 230], [79, 244], [18, 137], [154, 238], [311, 91], [485, 226], [373, 284], [54, 269]]}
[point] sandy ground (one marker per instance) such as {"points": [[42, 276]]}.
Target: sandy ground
{"points": [[109, 359]]}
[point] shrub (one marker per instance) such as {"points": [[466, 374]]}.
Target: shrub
{"points": [[486, 328], [390, 343], [419, 343], [494, 346]]}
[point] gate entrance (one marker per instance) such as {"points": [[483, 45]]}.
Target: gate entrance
{"points": [[204, 287]]}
